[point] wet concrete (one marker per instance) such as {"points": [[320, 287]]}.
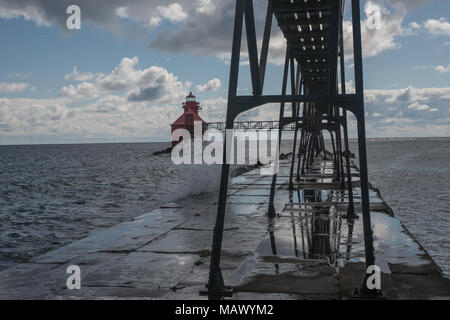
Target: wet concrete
{"points": [[310, 251]]}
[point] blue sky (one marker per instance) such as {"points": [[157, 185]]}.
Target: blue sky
{"points": [[123, 76]]}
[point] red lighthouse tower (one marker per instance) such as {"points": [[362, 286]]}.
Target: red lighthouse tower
{"points": [[189, 117]]}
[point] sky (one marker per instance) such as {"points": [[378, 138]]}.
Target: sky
{"points": [[123, 76]]}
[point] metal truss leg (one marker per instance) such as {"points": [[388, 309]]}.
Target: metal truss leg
{"points": [[334, 150], [216, 286], [271, 210], [324, 148], [291, 174], [300, 152], [308, 150], [365, 202], [359, 86], [351, 206], [341, 162]]}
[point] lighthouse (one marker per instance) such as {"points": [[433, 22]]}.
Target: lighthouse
{"points": [[189, 117]]}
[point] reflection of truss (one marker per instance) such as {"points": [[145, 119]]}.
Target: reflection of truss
{"points": [[252, 125]]}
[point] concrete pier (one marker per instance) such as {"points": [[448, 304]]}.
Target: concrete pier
{"points": [[308, 252]]}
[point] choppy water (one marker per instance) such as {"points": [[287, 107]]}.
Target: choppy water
{"points": [[53, 195], [413, 176]]}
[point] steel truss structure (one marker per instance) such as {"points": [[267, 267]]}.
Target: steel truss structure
{"points": [[314, 58]]}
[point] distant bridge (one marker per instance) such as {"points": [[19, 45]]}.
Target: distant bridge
{"points": [[252, 125]]}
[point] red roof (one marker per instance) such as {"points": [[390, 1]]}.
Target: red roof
{"points": [[184, 119]]}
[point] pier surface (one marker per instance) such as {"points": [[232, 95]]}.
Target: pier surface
{"points": [[310, 251]]}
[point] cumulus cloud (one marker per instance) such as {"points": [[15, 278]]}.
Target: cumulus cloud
{"points": [[437, 27], [172, 13], [111, 117], [83, 90], [212, 85], [13, 87], [401, 112], [151, 84], [376, 40]]}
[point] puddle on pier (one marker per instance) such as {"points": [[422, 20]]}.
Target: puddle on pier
{"points": [[324, 237], [310, 232], [313, 236], [328, 197]]}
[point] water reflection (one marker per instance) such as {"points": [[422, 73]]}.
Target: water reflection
{"points": [[314, 230]]}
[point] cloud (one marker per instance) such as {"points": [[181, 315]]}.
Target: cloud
{"points": [[376, 40], [408, 112], [437, 27], [407, 5], [106, 13], [443, 69], [439, 68], [75, 75], [85, 90], [211, 86], [172, 13], [13, 87], [421, 107], [113, 117], [28, 11], [151, 84], [205, 6], [202, 32], [390, 113], [20, 75], [205, 26]]}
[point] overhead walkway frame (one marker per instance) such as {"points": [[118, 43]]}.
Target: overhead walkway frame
{"points": [[315, 64]]}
